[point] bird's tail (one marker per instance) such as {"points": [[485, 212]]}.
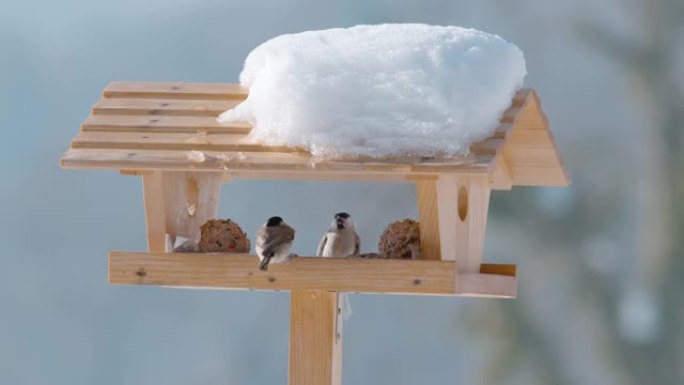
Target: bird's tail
{"points": [[264, 263]]}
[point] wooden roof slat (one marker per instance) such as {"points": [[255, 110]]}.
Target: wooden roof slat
{"points": [[212, 141], [180, 141], [173, 107], [162, 124], [89, 158], [174, 90]]}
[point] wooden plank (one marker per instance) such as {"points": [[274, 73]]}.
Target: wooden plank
{"points": [[174, 90], [426, 195], [261, 165], [239, 271], [520, 96], [315, 346], [501, 173], [174, 141], [510, 114], [166, 107], [155, 211], [499, 269], [488, 146], [487, 285], [463, 202], [190, 199], [210, 141], [530, 148], [192, 124]]}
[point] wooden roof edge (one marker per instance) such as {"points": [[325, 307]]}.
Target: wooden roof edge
{"points": [[529, 148], [566, 174]]}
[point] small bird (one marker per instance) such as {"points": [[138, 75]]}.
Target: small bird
{"points": [[341, 240], [273, 242]]}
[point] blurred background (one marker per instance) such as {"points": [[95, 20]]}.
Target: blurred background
{"points": [[600, 263]]}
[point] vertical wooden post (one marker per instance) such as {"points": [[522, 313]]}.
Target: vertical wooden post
{"points": [[426, 193], [177, 204], [155, 210], [315, 338], [463, 205]]}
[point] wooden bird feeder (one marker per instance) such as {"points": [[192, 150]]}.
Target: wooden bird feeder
{"points": [[167, 133]]}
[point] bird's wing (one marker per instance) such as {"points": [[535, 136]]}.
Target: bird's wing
{"points": [[321, 245], [261, 237], [357, 245], [277, 237]]}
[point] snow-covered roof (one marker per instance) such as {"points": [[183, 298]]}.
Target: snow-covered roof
{"points": [[139, 126]]}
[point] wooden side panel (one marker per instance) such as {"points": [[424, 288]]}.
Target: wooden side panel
{"points": [[531, 151], [315, 340], [426, 193]]}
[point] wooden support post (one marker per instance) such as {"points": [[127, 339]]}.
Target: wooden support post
{"points": [[155, 213], [463, 203], [426, 193], [315, 338], [177, 203]]}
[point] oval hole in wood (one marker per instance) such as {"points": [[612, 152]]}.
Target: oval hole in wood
{"points": [[192, 196], [463, 203]]}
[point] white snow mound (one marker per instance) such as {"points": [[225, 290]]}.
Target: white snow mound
{"points": [[379, 90]]}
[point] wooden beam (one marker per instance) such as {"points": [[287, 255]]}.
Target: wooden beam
{"points": [[175, 107], [426, 194], [487, 285], [174, 90], [155, 210], [240, 271], [265, 165], [315, 338]]}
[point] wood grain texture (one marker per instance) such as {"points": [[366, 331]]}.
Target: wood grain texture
{"points": [[426, 194], [155, 124], [160, 123], [180, 141], [487, 285], [169, 107], [265, 165], [315, 356], [530, 148], [462, 233], [499, 268], [239, 271], [174, 90], [155, 212]]}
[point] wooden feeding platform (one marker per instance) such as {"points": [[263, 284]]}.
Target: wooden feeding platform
{"points": [[168, 134]]}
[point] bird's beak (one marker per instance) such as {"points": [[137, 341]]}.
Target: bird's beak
{"points": [[340, 223]]}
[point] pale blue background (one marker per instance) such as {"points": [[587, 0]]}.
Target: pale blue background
{"points": [[61, 323]]}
